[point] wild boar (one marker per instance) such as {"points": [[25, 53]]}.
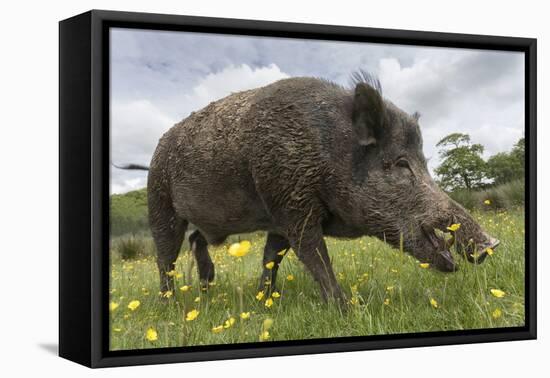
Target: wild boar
{"points": [[302, 158]]}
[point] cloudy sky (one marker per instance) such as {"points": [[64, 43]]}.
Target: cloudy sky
{"points": [[158, 78]]}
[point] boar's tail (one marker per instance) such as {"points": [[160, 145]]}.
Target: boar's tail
{"points": [[137, 167]]}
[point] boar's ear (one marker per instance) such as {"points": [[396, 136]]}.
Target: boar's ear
{"points": [[368, 114]]}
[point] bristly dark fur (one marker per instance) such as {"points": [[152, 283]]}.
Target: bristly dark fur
{"points": [[362, 76], [259, 160]]}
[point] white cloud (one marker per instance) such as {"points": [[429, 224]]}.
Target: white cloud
{"points": [[479, 93], [406, 85], [137, 125], [158, 78], [127, 185], [232, 79]]}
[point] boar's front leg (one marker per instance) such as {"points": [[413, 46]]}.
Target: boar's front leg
{"points": [[274, 245], [311, 249]]}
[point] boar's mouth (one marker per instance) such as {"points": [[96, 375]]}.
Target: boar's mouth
{"points": [[442, 259], [473, 252]]}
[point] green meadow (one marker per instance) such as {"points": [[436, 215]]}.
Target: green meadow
{"points": [[388, 291]]}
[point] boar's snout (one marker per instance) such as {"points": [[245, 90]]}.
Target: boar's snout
{"points": [[477, 254]]}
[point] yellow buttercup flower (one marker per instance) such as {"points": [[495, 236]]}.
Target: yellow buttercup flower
{"points": [[424, 265], [134, 304], [267, 324], [234, 249], [239, 249], [245, 315], [264, 336], [167, 294], [282, 253], [260, 295], [290, 277], [497, 313], [151, 334], [117, 329], [487, 202], [490, 251], [475, 255], [454, 227], [387, 301], [229, 322], [113, 306], [185, 288], [191, 315], [217, 329], [268, 302], [497, 293], [389, 288], [434, 303], [171, 273], [270, 265], [275, 294]]}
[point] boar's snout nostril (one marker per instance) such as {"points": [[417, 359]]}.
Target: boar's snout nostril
{"points": [[493, 243], [490, 242], [482, 253]]}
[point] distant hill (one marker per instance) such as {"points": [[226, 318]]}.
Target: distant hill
{"points": [[129, 212]]}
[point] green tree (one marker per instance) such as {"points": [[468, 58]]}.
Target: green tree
{"points": [[519, 152], [507, 166], [129, 212], [462, 166]]}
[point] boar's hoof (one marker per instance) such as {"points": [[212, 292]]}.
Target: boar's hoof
{"points": [[267, 287]]}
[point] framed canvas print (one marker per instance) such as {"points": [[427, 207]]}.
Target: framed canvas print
{"points": [[234, 188]]}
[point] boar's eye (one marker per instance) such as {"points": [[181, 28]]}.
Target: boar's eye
{"points": [[403, 163]]}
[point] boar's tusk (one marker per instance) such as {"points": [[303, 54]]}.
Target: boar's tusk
{"points": [[447, 256]]}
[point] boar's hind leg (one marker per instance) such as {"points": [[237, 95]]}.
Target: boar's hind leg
{"points": [[204, 264], [167, 228], [311, 249], [168, 234], [274, 245]]}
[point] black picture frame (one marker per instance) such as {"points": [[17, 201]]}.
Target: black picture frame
{"points": [[84, 186]]}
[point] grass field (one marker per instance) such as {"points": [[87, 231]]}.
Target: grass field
{"points": [[388, 292]]}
